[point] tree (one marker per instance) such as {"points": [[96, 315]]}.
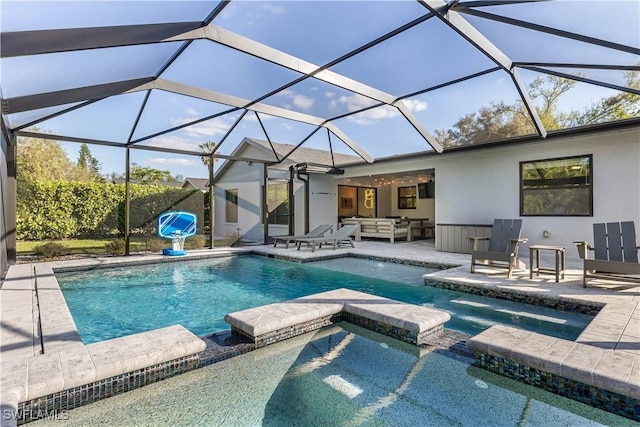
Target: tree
{"points": [[148, 175], [207, 148], [88, 167], [42, 160], [501, 120]]}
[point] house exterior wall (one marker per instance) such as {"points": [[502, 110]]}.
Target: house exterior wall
{"points": [[384, 201], [247, 179], [323, 201], [476, 186], [425, 208]]}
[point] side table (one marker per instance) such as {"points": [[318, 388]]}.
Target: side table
{"points": [[559, 265]]}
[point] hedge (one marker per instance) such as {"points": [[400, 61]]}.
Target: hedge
{"points": [[65, 209]]}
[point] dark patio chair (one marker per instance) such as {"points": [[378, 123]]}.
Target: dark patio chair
{"points": [[615, 252], [503, 246]]}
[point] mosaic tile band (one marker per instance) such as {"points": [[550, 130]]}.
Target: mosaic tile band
{"points": [[54, 406], [597, 397], [562, 305]]}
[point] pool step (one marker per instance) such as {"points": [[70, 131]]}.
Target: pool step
{"points": [[276, 322]]}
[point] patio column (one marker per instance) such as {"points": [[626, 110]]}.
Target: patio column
{"points": [[212, 215], [10, 213], [127, 202], [265, 212]]}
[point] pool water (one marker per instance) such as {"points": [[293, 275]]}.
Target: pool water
{"points": [[340, 376], [111, 303]]}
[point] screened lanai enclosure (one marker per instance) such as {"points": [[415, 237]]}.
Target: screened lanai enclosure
{"points": [[371, 79]]}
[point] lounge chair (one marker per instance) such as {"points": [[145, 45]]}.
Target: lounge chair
{"points": [[316, 232], [503, 246], [615, 252], [340, 237]]}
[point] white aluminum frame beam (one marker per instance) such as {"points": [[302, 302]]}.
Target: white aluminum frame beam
{"points": [[243, 44], [220, 98], [50, 41], [24, 43], [461, 26], [122, 145], [69, 96]]}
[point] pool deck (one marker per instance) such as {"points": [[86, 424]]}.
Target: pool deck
{"points": [[38, 333]]}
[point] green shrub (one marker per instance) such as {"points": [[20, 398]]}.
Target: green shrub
{"points": [[51, 250], [230, 238], [197, 241], [49, 210], [155, 245], [115, 247]]}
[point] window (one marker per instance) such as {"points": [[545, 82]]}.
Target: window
{"points": [[407, 197], [232, 205], [278, 203], [557, 187]]}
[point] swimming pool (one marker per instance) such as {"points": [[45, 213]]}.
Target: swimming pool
{"points": [[110, 303], [340, 376]]}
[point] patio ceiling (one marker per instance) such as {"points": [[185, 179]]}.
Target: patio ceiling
{"points": [[170, 76]]}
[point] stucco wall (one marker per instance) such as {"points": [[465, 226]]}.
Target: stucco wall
{"points": [[474, 187], [323, 200], [248, 179]]}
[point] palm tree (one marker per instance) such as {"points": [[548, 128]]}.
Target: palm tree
{"points": [[207, 148]]}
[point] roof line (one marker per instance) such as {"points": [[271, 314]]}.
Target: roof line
{"points": [[552, 136]]}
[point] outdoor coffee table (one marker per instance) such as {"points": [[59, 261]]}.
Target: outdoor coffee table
{"points": [[559, 264]]}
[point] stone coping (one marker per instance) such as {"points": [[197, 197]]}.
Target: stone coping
{"points": [[615, 371], [260, 321], [76, 364]]}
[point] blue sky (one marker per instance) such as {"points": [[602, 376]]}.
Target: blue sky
{"points": [[319, 32]]}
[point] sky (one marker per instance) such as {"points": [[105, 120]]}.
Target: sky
{"points": [[319, 32]]}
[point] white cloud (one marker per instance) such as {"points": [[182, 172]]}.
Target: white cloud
{"points": [[192, 112], [330, 94], [357, 102], [287, 126], [275, 9], [229, 11], [209, 128], [251, 117], [301, 101], [415, 105], [174, 142], [171, 162]]}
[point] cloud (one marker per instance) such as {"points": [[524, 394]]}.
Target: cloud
{"points": [[175, 142], [287, 126], [209, 128], [229, 11], [330, 94], [301, 101], [275, 9], [415, 105], [172, 162], [357, 102], [192, 112]]}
